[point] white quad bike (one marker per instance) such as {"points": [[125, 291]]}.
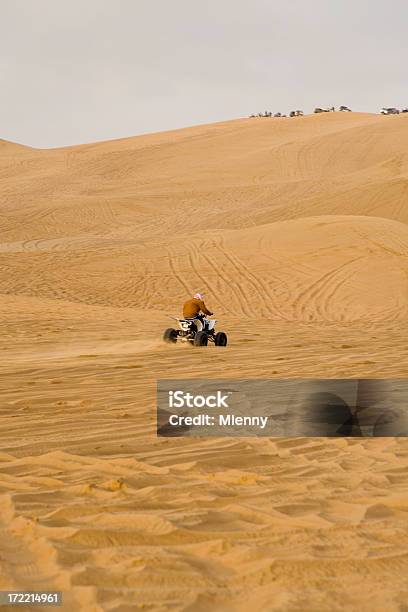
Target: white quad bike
{"points": [[188, 332]]}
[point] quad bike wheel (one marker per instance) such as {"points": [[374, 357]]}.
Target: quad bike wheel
{"points": [[201, 339], [170, 335], [220, 339]]}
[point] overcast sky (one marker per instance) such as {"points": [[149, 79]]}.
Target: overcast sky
{"points": [[74, 71]]}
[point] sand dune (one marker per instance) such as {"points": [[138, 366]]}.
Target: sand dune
{"points": [[324, 268], [297, 231]]}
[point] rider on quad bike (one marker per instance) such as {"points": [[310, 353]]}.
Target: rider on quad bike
{"points": [[193, 308], [194, 327]]}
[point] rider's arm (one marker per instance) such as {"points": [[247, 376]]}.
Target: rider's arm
{"points": [[204, 309]]}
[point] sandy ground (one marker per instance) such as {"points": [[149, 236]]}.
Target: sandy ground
{"points": [[297, 231]]}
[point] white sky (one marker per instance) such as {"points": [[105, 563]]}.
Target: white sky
{"points": [[74, 71]]}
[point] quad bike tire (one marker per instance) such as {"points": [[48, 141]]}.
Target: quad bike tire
{"points": [[170, 335], [201, 339], [221, 339]]}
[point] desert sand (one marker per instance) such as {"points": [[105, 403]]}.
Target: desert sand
{"points": [[297, 231]]}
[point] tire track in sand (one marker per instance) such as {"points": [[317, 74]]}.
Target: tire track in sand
{"points": [[242, 300], [261, 288], [319, 288]]}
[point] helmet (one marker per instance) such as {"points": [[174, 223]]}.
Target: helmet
{"points": [[199, 296]]}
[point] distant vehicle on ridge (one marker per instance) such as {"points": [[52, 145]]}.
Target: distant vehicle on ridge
{"points": [[389, 111]]}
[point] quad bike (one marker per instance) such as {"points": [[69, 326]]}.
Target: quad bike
{"points": [[188, 332]]}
